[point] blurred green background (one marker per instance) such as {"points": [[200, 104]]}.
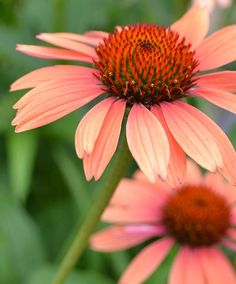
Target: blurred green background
{"points": [[43, 192]]}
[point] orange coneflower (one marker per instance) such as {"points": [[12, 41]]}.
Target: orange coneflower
{"points": [[147, 69], [198, 217]]}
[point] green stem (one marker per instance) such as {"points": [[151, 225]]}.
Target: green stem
{"points": [[111, 179]]}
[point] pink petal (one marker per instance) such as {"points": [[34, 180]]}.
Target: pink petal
{"points": [[229, 244], [216, 268], [68, 44], [52, 53], [67, 84], [107, 141], [221, 98], [80, 38], [97, 34], [147, 142], [147, 192], [144, 264], [231, 233], [122, 237], [50, 101], [193, 25], [192, 134], [217, 49], [225, 81], [193, 173], [186, 269], [89, 127], [233, 216], [136, 201], [226, 148], [219, 185], [177, 164], [45, 74]]}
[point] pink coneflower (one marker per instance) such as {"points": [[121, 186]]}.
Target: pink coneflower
{"points": [[198, 216], [210, 4], [148, 70]]}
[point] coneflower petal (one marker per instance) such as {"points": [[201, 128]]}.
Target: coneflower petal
{"points": [[193, 25], [177, 164], [227, 151], [147, 142], [145, 263], [106, 143], [52, 53], [89, 127], [220, 98], [192, 135], [217, 49], [225, 81]]}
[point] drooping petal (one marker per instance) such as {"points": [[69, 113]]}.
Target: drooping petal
{"points": [[106, 143], [146, 261], [80, 38], [68, 44], [225, 81], [193, 25], [229, 244], [89, 127], [220, 98], [177, 164], [97, 34], [216, 268], [193, 173], [219, 185], [192, 135], [45, 74], [50, 101], [136, 201], [218, 49], [186, 269], [60, 87], [122, 237], [226, 148], [52, 53], [147, 142]]}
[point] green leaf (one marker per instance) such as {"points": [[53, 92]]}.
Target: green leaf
{"points": [[20, 239], [22, 150], [45, 274]]}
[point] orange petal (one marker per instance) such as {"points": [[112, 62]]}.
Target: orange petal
{"points": [[68, 44], [216, 268], [45, 74], [177, 164], [220, 98], [225, 81], [51, 101], [193, 25], [193, 136], [145, 263], [52, 53], [89, 127], [122, 237], [80, 38], [227, 151], [218, 49], [107, 141], [151, 154], [186, 269]]}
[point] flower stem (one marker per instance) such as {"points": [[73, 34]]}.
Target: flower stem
{"points": [[112, 176]]}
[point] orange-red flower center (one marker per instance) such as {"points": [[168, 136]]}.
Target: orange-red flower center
{"points": [[196, 216], [146, 64]]}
